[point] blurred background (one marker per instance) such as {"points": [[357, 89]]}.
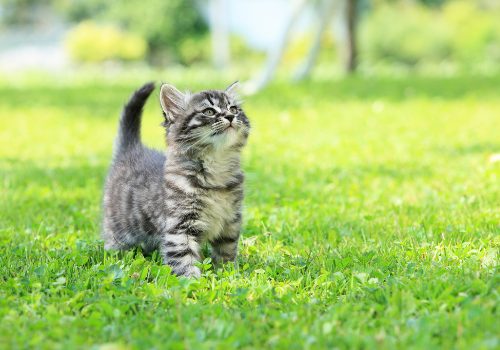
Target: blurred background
{"points": [[255, 40]]}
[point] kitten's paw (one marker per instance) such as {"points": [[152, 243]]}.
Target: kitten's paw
{"points": [[192, 272], [113, 246]]}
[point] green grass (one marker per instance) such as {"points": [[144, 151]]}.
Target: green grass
{"points": [[372, 220]]}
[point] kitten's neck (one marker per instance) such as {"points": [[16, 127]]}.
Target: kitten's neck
{"points": [[219, 165], [211, 171]]}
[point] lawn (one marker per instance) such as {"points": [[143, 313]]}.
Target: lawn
{"points": [[372, 220]]}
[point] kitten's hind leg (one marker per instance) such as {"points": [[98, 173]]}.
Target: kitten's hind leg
{"points": [[147, 250], [224, 249], [225, 246], [115, 238], [112, 243]]}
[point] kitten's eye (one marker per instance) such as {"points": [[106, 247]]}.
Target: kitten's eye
{"points": [[209, 112], [233, 110]]}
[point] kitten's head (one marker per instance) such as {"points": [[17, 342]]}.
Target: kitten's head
{"points": [[211, 120]]}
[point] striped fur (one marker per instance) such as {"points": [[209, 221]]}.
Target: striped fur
{"points": [[191, 194]]}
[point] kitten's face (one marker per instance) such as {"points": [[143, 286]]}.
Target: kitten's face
{"points": [[207, 121]]}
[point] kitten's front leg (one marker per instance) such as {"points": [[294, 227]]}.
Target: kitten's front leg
{"points": [[225, 247], [180, 247]]}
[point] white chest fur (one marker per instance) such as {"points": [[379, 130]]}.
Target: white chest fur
{"points": [[219, 170], [218, 208]]}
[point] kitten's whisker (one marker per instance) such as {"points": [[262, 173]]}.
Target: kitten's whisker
{"points": [[202, 139], [194, 136], [217, 125]]}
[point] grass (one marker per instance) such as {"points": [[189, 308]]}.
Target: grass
{"points": [[372, 220]]}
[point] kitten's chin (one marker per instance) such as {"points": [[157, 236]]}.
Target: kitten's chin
{"points": [[230, 128], [227, 138]]}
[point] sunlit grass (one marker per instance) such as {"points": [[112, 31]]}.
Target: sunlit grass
{"points": [[372, 220]]}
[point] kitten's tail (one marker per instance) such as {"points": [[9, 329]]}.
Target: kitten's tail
{"points": [[129, 132]]}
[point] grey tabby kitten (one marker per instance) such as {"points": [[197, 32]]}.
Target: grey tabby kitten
{"points": [[175, 201]]}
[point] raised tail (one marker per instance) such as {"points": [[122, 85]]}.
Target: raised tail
{"points": [[129, 133]]}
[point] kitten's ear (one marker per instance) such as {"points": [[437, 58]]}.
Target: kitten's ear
{"points": [[232, 90], [173, 102]]}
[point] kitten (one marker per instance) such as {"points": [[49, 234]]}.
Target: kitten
{"points": [[193, 193]]}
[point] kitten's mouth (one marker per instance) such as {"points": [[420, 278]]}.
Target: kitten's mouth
{"points": [[229, 128], [225, 130]]}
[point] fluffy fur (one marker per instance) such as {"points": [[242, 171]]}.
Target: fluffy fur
{"points": [[193, 193]]}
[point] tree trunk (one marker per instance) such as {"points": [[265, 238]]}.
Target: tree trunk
{"points": [[351, 59]]}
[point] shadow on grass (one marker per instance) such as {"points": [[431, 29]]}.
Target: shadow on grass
{"points": [[100, 98], [78, 173], [107, 99], [387, 88], [70, 195], [474, 148], [66, 199], [62, 198]]}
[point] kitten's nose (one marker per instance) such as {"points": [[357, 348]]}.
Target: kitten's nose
{"points": [[229, 118]]}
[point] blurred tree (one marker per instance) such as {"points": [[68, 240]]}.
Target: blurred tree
{"points": [[433, 2], [79, 10], [347, 12], [351, 13], [276, 53], [424, 2], [88, 42], [21, 12], [163, 24]]}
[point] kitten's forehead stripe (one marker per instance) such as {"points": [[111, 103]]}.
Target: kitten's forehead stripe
{"points": [[210, 99], [207, 103], [226, 98]]}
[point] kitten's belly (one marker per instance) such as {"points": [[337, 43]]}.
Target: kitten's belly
{"points": [[218, 209]]}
